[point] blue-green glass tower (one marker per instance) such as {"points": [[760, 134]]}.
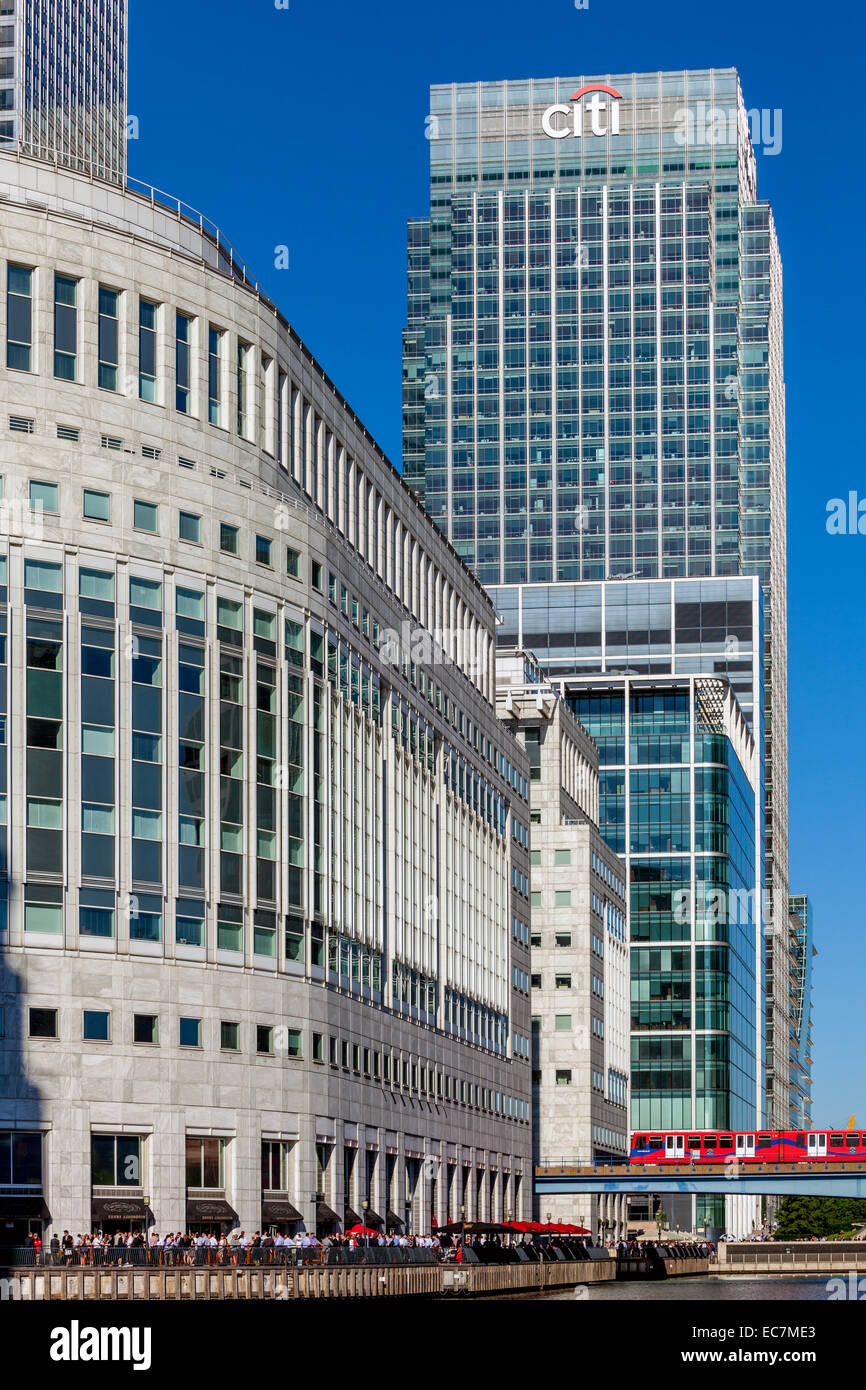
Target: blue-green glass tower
{"points": [[593, 368]]}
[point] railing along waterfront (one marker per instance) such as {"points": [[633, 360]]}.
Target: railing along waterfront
{"points": [[791, 1257], [138, 1257]]}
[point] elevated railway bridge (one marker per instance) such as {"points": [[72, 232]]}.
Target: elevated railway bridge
{"points": [[812, 1179]]}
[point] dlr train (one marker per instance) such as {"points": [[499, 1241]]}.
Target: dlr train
{"points": [[761, 1146]]}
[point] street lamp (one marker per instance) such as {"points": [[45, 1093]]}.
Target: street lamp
{"points": [[365, 1207], [463, 1222]]}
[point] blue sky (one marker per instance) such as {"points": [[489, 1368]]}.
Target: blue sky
{"points": [[305, 128]]}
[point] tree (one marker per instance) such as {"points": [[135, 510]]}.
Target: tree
{"points": [[800, 1218]]}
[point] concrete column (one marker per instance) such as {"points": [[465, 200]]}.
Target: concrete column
{"points": [[67, 1189], [244, 1194], [168, 1171], [303, 1196]]}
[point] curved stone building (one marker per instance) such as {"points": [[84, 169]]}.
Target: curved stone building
{"points": [[264, 948]]}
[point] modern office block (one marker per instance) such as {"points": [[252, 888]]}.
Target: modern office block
{"points": [[580, 969], [264, 948], [681, 801], [63, 83], [593, 364]]}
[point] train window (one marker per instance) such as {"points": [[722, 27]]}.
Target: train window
{"points": [[725, 1141], [764, 1140], [801, 1140], [640, 1141], [655, 1141], [710, 1141], [837, 1140], [852, 1141], [694, 1141]]}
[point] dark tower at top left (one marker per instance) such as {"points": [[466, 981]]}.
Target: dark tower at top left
{"points": [[63, 83]]}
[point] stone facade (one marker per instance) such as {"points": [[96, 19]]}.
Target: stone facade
{"points": [[256, 788]]}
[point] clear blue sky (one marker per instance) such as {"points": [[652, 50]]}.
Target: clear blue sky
{"points": [[305, 127]]}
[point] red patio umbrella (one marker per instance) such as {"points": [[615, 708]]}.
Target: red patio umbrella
{"points": [[361, 1231]]}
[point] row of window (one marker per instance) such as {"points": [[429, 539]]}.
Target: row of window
{"points": [[97, 1027], [394, 1070], [401, 651], [118, 1160], [44, 497], [292, 433]]}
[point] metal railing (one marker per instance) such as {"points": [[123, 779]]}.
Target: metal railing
{"points": [[140, 1257], [231, 262]]}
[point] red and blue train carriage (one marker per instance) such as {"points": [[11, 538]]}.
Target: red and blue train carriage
{"points": [[757, 1146]]}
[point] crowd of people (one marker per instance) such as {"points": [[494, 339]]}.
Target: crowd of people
{"points": [[128, 1248]]}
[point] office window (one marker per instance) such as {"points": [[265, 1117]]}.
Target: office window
{"points": [[182, 350], [562, 938], [43, 910], [264, 1039], [562, 856], [189, 527], [563, 981], [97, 1025], [562, 898], [44, 497], [293, 563], [97, 505], [43, 1023], [65, 327], [264, 551], [230, 927], [96, 905], [19, 318], [145, 1028], [214, 375], [147, 320], [243, 388], [145, 516], [115, 1160], [189, 917], [228, 538], [145, 922], [230, 1037], [109, 339], [205, 1163], [563, 1078], [562, 1023], [189, 1033]]}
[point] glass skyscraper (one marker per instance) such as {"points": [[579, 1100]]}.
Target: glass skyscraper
{"points": [[63, 83], [666, 675], [593, 377], [802, 952]]}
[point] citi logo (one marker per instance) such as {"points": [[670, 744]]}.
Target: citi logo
{"points": [[77, 1343], [586, 101]]}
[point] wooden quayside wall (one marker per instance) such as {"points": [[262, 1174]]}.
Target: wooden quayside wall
{"points": [[314, 1281]]}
